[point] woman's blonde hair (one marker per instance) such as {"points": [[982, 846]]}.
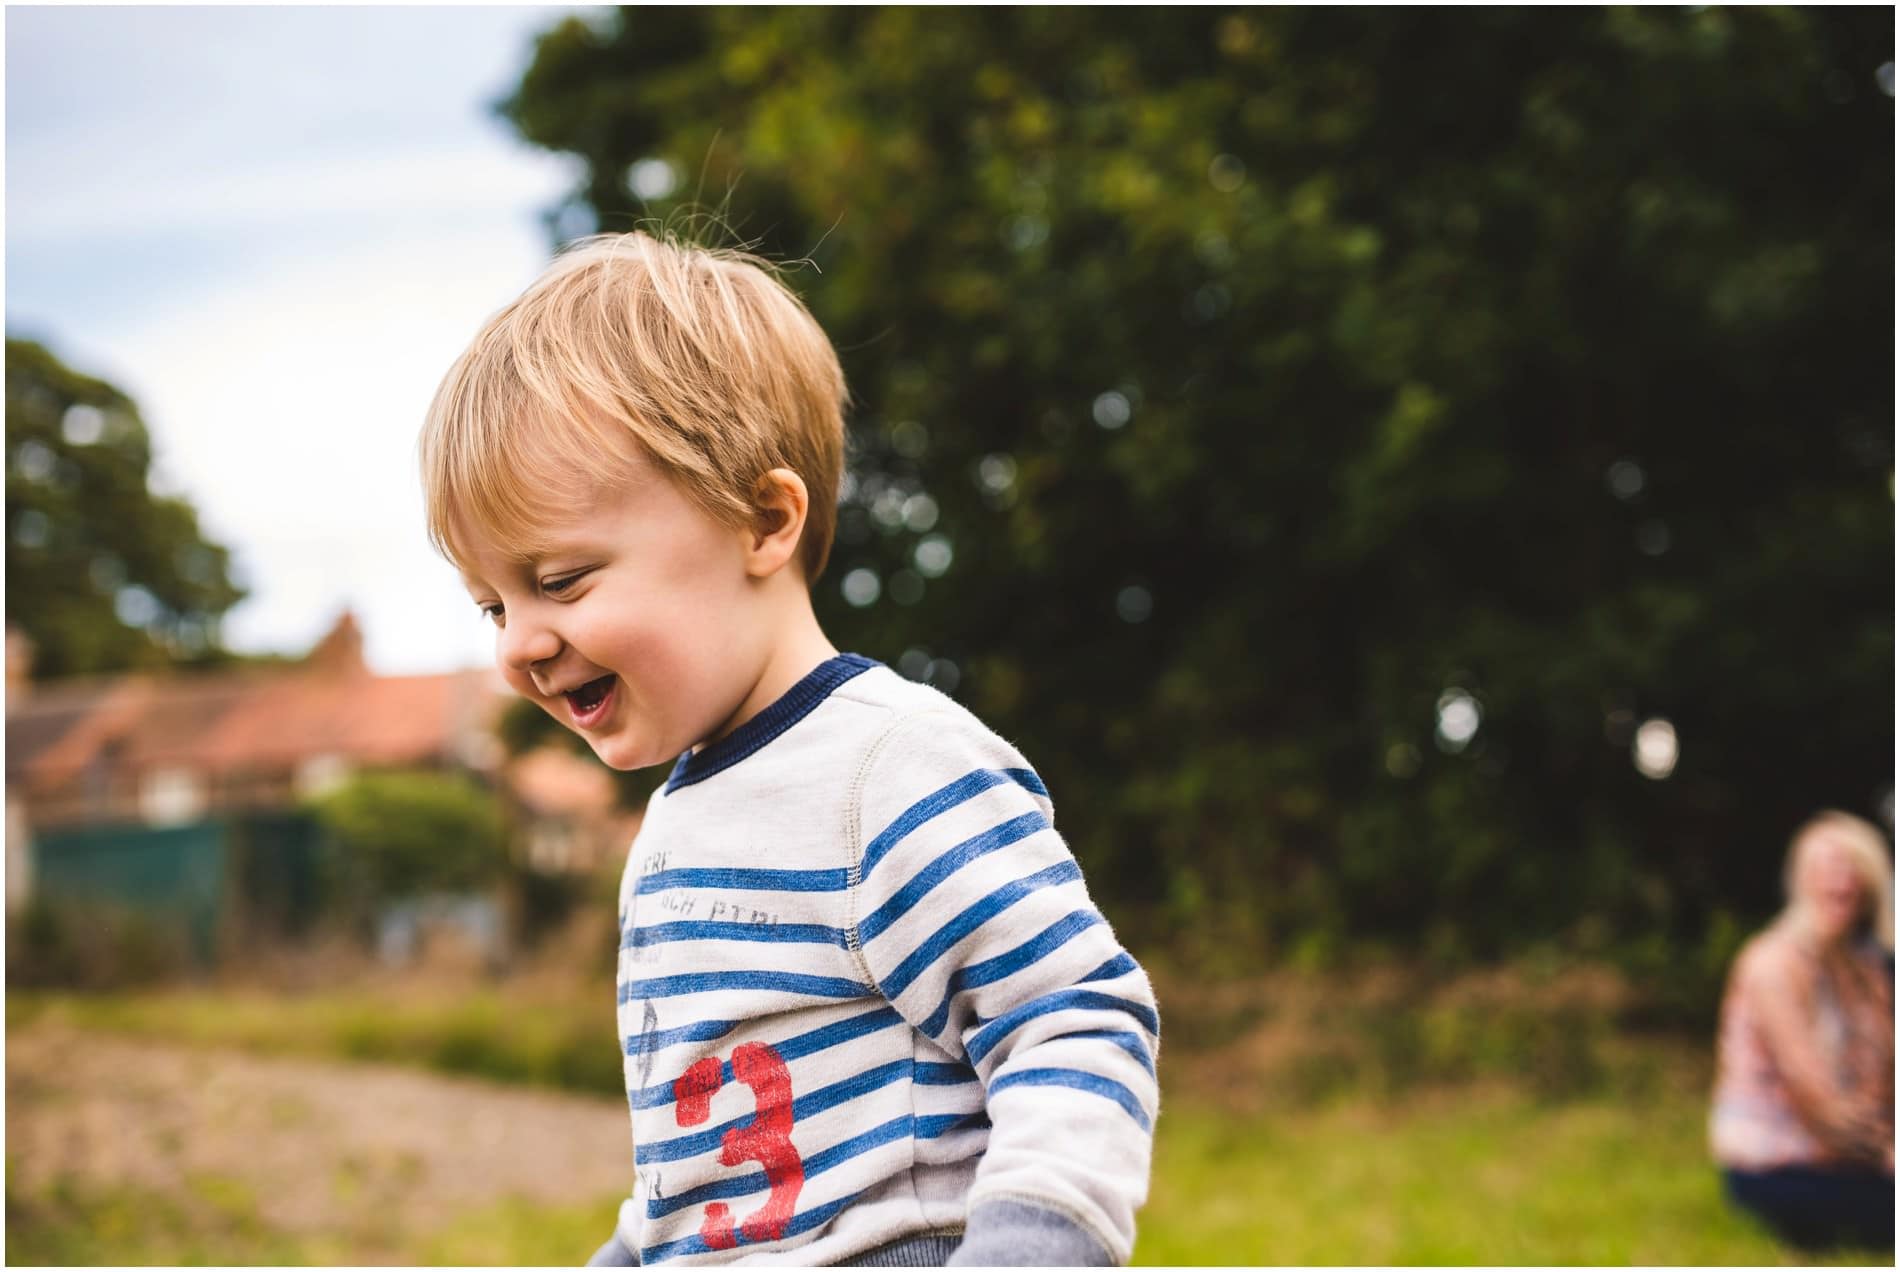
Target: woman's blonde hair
{"points": [[629, 346], [1866, 847]]}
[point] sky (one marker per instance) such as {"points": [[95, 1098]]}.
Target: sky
{"points": [[275, 228]]}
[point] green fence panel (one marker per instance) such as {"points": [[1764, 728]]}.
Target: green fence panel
{"points": [[277, 871], [174, 876]]}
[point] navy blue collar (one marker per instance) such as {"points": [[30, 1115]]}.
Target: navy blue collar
{"points": [[798, 702]]}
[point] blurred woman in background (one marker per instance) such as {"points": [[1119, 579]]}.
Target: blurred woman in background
{"points": [[1802, 1124]]}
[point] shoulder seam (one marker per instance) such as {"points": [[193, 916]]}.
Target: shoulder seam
{"points": [[854, 838]]}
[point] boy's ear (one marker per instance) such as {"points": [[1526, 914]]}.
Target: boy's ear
{"points": [[780, 504]]}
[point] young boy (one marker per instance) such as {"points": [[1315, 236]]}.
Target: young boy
{"points": [[869, 1014]]}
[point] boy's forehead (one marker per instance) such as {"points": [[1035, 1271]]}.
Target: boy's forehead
{"points": [[482, 548]]}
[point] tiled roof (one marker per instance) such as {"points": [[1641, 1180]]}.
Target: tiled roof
{"points": [[552, 781], [253, 720]]}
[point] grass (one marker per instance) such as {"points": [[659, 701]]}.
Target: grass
{"points": [[1477, 1177], [1473, 1178], [1303, 1123], [74, 1223], [559, 1041]]}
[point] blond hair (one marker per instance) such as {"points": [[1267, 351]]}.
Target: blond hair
{"points": [[626, 347], [1866, 847]]}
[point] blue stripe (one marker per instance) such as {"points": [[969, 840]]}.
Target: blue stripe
{"points": [[905, 1127], [939, 1124], [1033, 950], [805, 1044], [708, 982], [755, 1181], [1002, 1026], [1120, 965], [752, 880], [1130, 1042], [800, 933], [970, 920], [943, 867], [964, 788], [696, 1244], [805, 1106], [930, 1074], [698, 1031], [1094, 1084]]}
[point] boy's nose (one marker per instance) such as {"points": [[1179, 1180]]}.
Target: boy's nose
{"points": [[522, 645]]}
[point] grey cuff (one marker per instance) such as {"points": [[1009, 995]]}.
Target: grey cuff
{"points": [[932, 1250], [614, 1254], [1017, 1234]]}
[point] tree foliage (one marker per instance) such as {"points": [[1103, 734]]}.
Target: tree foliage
{"points": [[405, 834], [102, 574], [1241, 395]]}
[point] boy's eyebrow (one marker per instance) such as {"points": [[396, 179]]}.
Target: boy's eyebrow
{"points": [[532, 563]]}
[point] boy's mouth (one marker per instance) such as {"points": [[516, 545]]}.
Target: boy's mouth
{"points": [[589, 702]]}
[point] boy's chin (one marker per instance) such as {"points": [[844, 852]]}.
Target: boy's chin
{"points": [[622, 758]]}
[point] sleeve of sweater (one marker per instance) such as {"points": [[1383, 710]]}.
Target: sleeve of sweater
{"points": [[972, 917]]}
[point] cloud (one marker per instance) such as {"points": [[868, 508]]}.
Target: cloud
{"points": [[87, 203], [287, 411], [275, 228]]}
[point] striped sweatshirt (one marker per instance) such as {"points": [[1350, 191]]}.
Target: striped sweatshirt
{"points": [[866, 1003]]}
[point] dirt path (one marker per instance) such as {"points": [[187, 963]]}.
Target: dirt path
{"points": [[316, 1143]]}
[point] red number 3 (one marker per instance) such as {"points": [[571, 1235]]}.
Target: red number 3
{"points": [[767, 1140]]}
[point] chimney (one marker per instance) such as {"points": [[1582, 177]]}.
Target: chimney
{"points": [[341, 652]]}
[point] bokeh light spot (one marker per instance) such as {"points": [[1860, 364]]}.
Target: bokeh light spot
{"points": [[35, 461], [1025, 232], [1111, 410], [909, 439], [1211, 301], [1625, 479], [1134, 603], [1655, 750], [32, 529], [932, 556], [135, 606], [888, 508], [920, 513], [82, 425], [1459, 716], [861, 587], [651, 179], [996, 474]]}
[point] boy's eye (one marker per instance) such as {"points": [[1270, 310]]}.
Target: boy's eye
{"points": [[556, 586], [491, 612]]}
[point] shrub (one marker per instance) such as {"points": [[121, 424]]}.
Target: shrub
{"points": [[399, 835]]}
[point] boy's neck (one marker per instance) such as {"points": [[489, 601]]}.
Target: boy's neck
{"points": [[798, 647]]}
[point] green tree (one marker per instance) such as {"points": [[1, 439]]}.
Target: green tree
{"points": [[102, 574], [1251, 402]]}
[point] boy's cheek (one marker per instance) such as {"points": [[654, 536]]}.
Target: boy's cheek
{"points": [[521, 684]]}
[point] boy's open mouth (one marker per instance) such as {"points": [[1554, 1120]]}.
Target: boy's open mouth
{"points": [[588, 700]]}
